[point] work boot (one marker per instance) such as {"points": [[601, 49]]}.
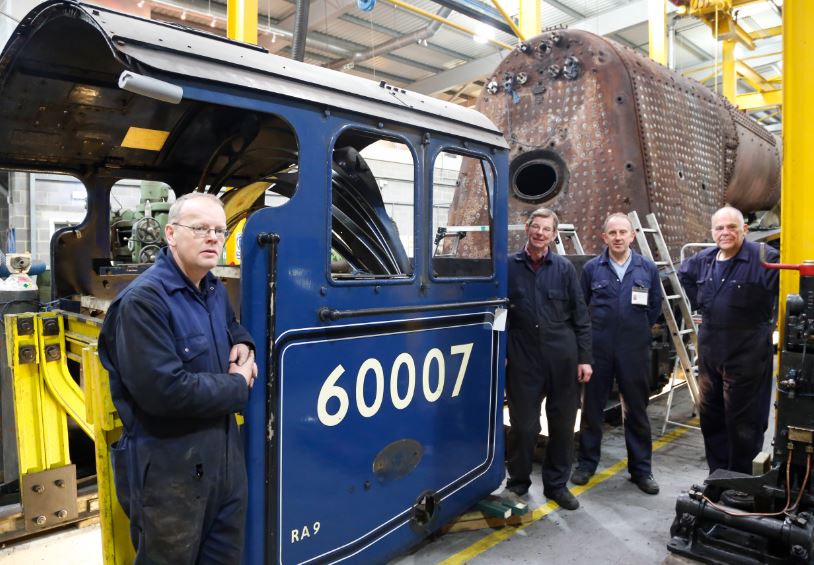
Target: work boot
{"points": [[581, 476], [563, 497], [517, 487], [646, 484]]}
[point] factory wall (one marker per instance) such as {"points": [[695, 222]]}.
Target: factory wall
{"points": [[59, 201]]}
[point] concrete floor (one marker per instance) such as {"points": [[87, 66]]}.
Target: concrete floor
{"points": [[616, 523]]}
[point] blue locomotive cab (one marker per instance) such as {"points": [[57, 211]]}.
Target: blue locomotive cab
{"points": [[376, 311]]}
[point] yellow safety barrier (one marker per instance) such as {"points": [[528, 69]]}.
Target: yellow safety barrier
{"points": [[117, 547], [45, 393], [42, 425], [54, 369]]}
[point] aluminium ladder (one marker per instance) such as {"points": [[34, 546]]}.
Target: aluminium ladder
{"points": [[685, 335], [563, 231], [569, 231], [459, 232]]}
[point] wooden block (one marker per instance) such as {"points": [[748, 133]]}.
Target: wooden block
{"points": [[513, 502], [493, 508], [492, 512], [519, 509], [478, 521]]}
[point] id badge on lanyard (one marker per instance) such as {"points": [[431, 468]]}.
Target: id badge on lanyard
{"points": [[639, 296]]}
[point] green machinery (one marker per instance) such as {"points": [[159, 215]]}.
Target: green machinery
{"points": [[137, 235]]}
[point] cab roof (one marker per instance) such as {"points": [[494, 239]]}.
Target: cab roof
{"points": [[62, 109]]}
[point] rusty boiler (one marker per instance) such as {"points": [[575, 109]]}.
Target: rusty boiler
{"points": [[595, 127]]}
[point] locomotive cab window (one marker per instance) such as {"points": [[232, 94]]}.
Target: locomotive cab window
{"points": [[462, 236], [138, 214], [372, 208], [248, 158]]}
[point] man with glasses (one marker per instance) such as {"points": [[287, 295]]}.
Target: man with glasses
{"points": [[549, 354], [180, 367], [623, 294], [736, 297]]}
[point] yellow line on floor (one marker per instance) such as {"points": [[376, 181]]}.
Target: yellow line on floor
{"points": [[503, 534]]}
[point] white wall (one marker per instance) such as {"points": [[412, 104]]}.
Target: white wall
{"points": [[60, 199]]}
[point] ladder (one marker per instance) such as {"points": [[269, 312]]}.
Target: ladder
{"points": [[685, 335], [563, 231], [569, 231]]}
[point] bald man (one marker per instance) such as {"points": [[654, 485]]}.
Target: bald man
{"points": [[736, 297]]}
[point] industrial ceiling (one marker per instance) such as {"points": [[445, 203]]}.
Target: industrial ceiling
{"points": [[399, 41]]}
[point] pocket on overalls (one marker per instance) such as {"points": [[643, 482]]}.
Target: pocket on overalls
{"points": [[560, 305], [119, 461]]}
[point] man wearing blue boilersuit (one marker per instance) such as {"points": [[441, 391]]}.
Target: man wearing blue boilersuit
{"points": [[623, 294], [180, 367], [549, 354], [736, 297]]}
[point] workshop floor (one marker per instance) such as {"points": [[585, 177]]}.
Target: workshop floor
{"points": [[616, 523]]}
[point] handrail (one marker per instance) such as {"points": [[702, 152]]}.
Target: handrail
{"points": [[326, 314]]}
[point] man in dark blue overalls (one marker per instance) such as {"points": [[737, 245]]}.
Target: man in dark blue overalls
{"points": [[736, 297], [549, 354], [180, 367], [623, 294]]}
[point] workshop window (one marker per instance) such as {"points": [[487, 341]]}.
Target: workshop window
{"points": [[373, 207], [462, 216]]}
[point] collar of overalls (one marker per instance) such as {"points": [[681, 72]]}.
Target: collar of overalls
{"points": [[173, 278], [741, 255], [635, 258], [524, 256]]}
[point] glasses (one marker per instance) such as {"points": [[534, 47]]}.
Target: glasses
{"points": [[201, 232], [544, 229]]}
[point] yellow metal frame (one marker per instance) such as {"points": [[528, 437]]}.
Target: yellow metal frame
{"points": [[759, 100], [117, 548], [241, 20], [42, 425], [657, 26], [730, 76], [45, 393], [718, 15], [530, 18], [55, 373], [796, 198]]}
